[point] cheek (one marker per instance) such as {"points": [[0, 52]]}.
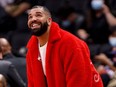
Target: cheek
{"points": [[28, 23]]}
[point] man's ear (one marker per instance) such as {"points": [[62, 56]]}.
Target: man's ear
{"points": [[49, 21]]}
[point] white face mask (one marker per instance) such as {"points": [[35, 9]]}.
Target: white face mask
{"points": [[66, 23], [112, 41], [96, 4]]}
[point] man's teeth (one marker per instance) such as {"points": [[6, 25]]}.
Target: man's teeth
{"points": [[34, 25]]}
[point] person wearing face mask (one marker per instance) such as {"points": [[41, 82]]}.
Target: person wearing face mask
{"points": [[109, 48], [99, 20], [112, 42], [69, 18], [112, 38], [107, 58], [97, 4]]}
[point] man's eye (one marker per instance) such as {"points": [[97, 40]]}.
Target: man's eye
{"points": [[29, 17], [38, 15]]}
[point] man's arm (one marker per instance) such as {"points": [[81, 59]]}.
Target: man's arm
{"points": [[15, 10], [79, 70], [109, 17], [29, 71]]}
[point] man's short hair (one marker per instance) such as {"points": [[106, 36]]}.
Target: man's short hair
{"points": [[44, 8]]}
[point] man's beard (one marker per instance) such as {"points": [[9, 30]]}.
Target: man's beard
{"points": [[40, 31]]}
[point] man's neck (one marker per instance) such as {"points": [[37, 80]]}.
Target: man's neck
{"points": [[44, 38]]}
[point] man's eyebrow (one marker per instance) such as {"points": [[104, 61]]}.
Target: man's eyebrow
{"points": [[36, 13], [29, 14]]}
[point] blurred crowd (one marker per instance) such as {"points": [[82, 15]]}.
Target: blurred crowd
{"points": [[93, 21]]}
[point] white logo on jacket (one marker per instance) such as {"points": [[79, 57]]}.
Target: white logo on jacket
{"points": [[96, 78]]}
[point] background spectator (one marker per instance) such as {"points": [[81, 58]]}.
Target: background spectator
{"points": [[18, 62], [3, 82]]}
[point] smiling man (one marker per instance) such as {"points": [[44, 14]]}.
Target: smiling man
{"points": [[56, 58]]}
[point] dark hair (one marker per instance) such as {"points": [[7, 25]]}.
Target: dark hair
{"points": [[44, 8]]}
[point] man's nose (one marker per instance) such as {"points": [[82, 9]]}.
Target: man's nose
{"points": [[34, 18]]}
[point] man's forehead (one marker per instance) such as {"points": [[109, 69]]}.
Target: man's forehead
{"points": [[36, 10]]}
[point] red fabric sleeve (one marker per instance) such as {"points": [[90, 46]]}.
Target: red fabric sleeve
{"points": [[29, 71], [79, 69]]}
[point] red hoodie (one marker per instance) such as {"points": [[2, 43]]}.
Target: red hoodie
{"points": [[67, 62]]}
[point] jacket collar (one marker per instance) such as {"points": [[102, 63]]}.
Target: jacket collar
{"points": [[54, 33]]}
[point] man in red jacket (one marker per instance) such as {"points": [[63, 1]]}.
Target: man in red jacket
{"points": [[56, 58]]}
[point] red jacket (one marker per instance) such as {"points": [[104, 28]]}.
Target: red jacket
{"points": [[67, 62]]}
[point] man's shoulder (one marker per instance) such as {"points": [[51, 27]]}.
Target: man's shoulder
{"points": [[18, 61], [5, 62], [69, 38], [32, 41]]}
